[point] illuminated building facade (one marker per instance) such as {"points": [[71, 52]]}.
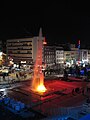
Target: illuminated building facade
{"points": [[84, 55], [89, 56], [71, 57], [59, 55], [53, 55], [49, 55], [22, 50], [2, 53]]}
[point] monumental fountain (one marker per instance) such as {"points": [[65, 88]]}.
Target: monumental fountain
{"points": [[38, 77]]}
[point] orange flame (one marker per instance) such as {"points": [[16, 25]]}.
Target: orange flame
{"points": [[41, 88]]}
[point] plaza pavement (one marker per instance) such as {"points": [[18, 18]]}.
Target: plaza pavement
{"points": [[12, 78]]}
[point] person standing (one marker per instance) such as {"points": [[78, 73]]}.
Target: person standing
{"points": [[65, 74], [17, 76]]}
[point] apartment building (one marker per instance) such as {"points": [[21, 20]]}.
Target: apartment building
{"points": [[49, 55], [23, 50], [59, 55]]}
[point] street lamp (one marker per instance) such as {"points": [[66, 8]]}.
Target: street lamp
{"points": [[0, 53], [0, 58]]}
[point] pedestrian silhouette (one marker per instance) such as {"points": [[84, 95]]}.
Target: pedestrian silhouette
{"points": [[17, 75], [65, 74]]}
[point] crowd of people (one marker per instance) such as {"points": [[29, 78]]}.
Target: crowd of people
{"points": [[77, 71]]}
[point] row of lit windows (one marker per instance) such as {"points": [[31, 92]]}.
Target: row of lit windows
{"points": [[20, 48], [20, 52], [50, 56], [19, 44], [20, 55], [48, 60], [59, 61], [59, 52], [49, 52], [25, 48], [59, 56], [18, 41]]}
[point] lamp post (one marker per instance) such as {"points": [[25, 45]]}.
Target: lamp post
{"points": [[0, 58]]}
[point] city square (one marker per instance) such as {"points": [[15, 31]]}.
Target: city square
{"points": [[45, 61]]}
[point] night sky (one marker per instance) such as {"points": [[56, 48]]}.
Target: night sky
{"points": [[61, 22]]}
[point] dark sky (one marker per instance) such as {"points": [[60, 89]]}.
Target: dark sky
{"points": [[61, 22]]}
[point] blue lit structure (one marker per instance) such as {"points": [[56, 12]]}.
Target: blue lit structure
{"points": [[16, 107], [86, 117], [82, 71]]}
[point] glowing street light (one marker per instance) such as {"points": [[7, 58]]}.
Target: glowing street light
{"points": [[0, 53], [0, 58]]}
